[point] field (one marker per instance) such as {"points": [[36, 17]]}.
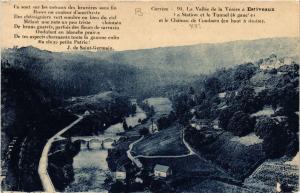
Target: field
{"points": [[165, 142], [264, 178], [210, 186], [235, 155], [162, 106]]}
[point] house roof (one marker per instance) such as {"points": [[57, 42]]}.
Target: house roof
{"points": [[161, 168]]}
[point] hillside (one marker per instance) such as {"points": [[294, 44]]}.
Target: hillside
{"points": [[140, 72], [30, 115], [242, 116], [203, 58]]}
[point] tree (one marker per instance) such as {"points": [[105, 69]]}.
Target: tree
{"points": [[144, 131], [268, 97], [264, 126], [275, 142], [203, 110], [293, 145], [244, 72], [224, 117], [273, 71], [245, 98], [212, 85], [133, 109], [191, 91], [166, 121], [125, 126], [152, 111], [181, 104], [240, 124], [289, 97]]}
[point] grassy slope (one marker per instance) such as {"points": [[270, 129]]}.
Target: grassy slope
{"points": [[233, 156], [264, 177], [165, 142]]}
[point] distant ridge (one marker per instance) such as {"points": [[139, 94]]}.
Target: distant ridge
{"points": [[82, 73], [204, 58]]}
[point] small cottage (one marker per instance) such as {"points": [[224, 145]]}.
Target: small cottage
{"points": [[200, 124], [162, 171], [120, 173], [153, 128]]}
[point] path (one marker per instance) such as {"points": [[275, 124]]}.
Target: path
{"points": [[129, 155], [43, 164]]}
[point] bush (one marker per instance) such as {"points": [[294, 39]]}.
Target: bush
{"points": [[198, 139], [125, 126], [240, 124], [144, 131], [264, 126], [278, 138], [293, 145], [166, 121], [224, 117], [212, 85], [275, 143], [245, 99], [273, 71], [244, 72]]}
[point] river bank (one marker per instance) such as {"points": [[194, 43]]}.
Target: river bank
{"points": [[91, 169]]}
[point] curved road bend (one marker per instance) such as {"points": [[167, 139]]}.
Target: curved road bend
{"points": [[43, 164]]}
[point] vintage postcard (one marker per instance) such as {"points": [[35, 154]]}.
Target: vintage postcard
{"points": [[150, 96]]}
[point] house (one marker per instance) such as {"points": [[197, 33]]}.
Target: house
{"points": [[273, 62], [199, 124], [222, 95], [120, 173], [162, 171], [153, 128]]}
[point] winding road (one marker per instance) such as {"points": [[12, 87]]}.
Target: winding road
{"points": [[132, 158], [43, 163]]}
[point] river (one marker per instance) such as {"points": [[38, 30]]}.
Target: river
{"points": [[90, 167]]}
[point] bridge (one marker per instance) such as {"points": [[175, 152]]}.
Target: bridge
{"points": [[96, 142]]}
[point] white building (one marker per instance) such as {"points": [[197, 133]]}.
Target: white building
{"points": [[120, 173], [153, 128], [86, 113], [199, 124], [162, 171], [222, 95], [273, 62]]}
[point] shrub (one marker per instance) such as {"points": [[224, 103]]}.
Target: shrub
{"points": [[273, 71], [224, 117], [244, 72], [293, 145], [144, 131], [166, 121], [212, 85], [245, 99], [240, 124], [198, 139], [275, 143], [264, 126]]}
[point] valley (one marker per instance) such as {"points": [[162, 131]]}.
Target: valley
{"points": [[176, 119]]}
